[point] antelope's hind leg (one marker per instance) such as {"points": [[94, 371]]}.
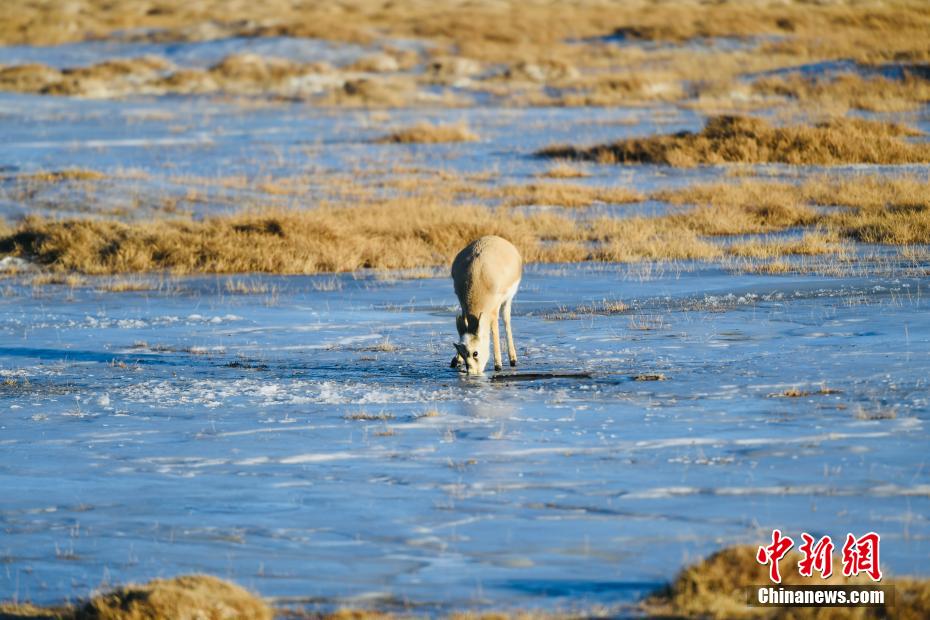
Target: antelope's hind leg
{"points": [[496, 340], [511, 350]]}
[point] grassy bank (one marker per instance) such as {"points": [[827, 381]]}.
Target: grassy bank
{"points": [[741, 139], [419, 230]]}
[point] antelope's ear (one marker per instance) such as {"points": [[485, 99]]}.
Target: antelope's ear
{"points": [[461, 324], [471, 323], [461, 350]]}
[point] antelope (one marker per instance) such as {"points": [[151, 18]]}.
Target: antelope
{"points": [[486, 275]]}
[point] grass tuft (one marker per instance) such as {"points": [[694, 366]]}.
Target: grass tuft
{"points": [[425, 133], [368, 416], [69, 174], [796, 392], [868, 208], [185, 597], [810, 244], [875, 94], [564, 170], [565, 195], [126, 285], [742, 139]]}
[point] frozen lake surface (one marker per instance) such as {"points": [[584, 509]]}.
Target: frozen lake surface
{"points": [[274, 438]]}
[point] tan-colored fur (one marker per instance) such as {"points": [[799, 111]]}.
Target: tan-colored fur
{"points": [[486, 274]]}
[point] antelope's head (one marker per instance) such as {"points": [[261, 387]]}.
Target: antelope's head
{"points": [[472, 347]]}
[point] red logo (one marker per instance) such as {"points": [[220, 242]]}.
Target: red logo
{"points": [[774, 552], [819, 556], [860, 555]]}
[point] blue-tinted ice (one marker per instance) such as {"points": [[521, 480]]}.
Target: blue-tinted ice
{"points": [[155, 433]]}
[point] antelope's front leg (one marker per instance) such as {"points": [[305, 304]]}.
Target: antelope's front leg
{"points": [[496, 340], [511, 350]]}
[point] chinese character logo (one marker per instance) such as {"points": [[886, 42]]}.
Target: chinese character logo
{"points": [[860, 555], [774, 552], [817, 557]]}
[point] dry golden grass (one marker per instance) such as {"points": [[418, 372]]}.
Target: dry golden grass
{"points": [[246, 287], [810, 244], [376, 235], [563, 194], [425, 225], [371, 614], [564, 170], [870, 192], [877, 94], [102, 79], [547, 53], [795, 392], [259, 70], [634, 86], [9, 611], [425, 133], [712, 588], [639, 238], [369, 416], [716, 588], [383, 346], [452, 188], [377, 63], [605, 308], [239, 74], [772, 267], [534, 31], [56, 176], [727, 218], [536, 43], [393, 91], [28, 78], [43, 279], [870, 209], [188, 597], [880, 210], [126, 285], [734, 209], [647, 322], [890, 225], [738, 139], [623, 81]]}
